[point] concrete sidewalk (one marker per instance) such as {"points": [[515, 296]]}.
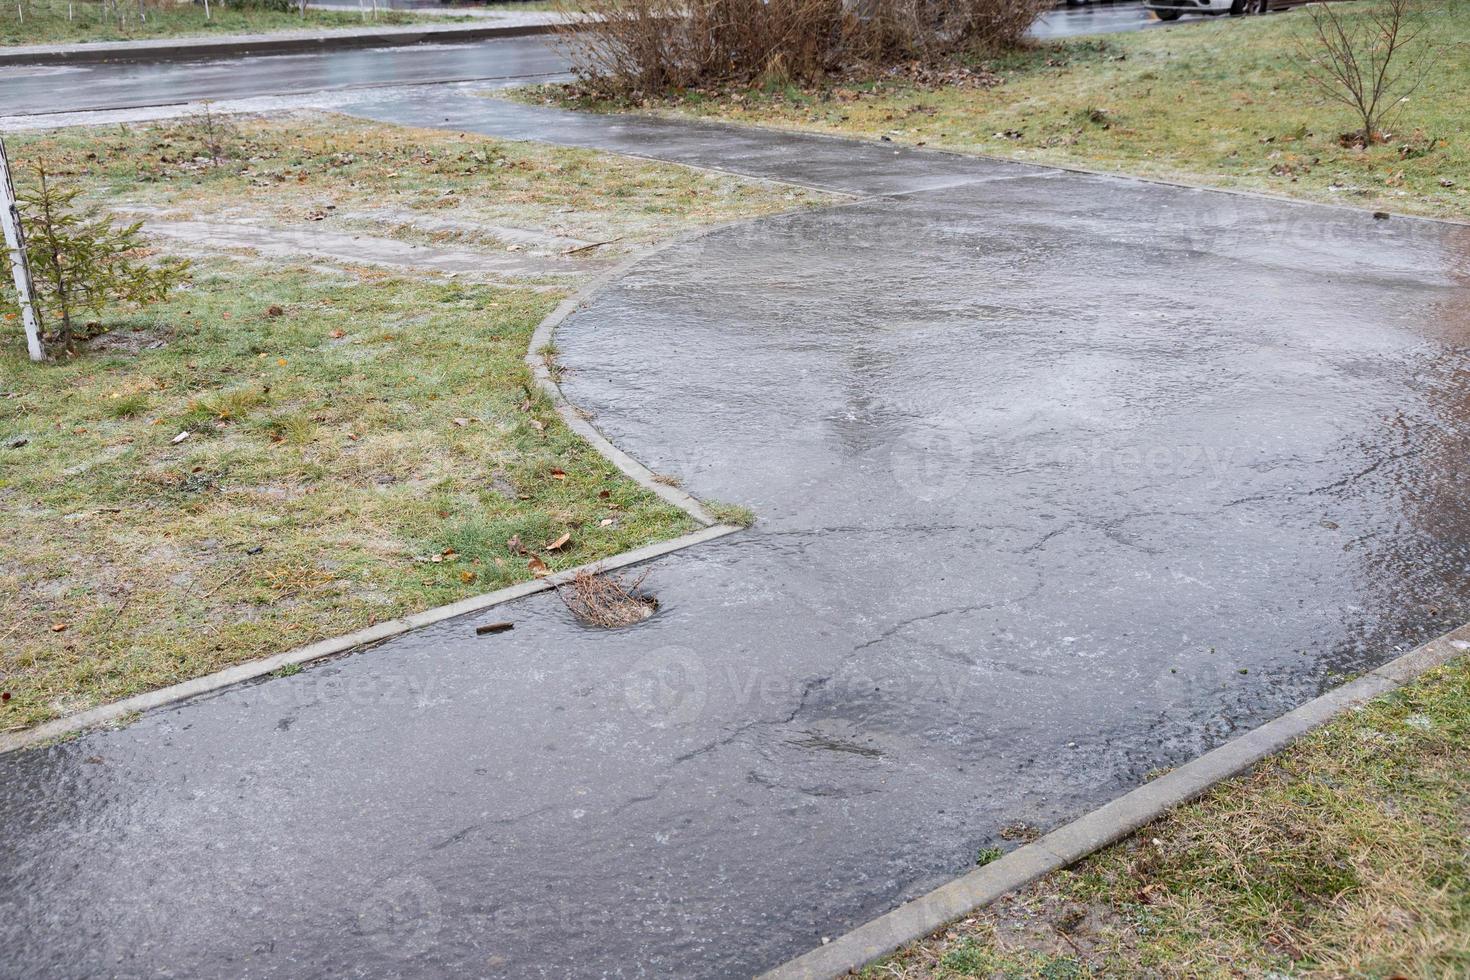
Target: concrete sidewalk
{"points": [[486, 26]]}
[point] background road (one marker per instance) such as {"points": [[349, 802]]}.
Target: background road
{"points": [[71, 88]]}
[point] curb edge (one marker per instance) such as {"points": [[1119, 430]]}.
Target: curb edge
{"points": [[1110, 822]]}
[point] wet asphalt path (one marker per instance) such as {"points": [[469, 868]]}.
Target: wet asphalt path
{"points": [[1061, 479], [75, 88]]}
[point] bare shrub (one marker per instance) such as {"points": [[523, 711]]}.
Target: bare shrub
{"points": [[1369, 59], [604, 599], [628, 47], [216, 134]]}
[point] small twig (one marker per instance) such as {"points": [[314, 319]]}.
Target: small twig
{"points": [[116, 615], [591, 245], [15, 626], [493, 628], [1068, 940], [223, 582]]}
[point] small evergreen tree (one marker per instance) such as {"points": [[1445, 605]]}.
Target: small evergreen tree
{"points": [[80, 260]]}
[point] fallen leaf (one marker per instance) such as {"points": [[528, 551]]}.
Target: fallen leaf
{"points": [[337, 334], [538, 425], [460, 422], [58, 627], [604, 494], [4, 695], [274, 311], [558, 474], [467, 576], [538, 567], [559, 542]]}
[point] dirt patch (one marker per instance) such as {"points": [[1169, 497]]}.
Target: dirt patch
{"points": [[130, 340]]}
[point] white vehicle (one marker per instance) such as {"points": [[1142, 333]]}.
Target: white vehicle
{"points": [[1172, 9]]}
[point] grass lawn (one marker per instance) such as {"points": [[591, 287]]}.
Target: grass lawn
{"points": [[1343, 856], [341, 174], [362, 442], [1217, 103], [60, 21]]}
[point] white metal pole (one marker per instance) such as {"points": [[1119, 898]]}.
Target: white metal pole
{"points": [[20, 268]]}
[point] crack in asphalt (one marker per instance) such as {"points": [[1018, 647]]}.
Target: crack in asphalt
{"points": [[1345, 481], [904, 624]]}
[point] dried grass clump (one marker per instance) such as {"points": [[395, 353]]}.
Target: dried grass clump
{"points": [[629, 48], [604, 599]]}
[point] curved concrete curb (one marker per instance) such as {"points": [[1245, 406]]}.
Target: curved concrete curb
{"points": [[541, 341], [545, 333], [187, 48], [1072, 842]]}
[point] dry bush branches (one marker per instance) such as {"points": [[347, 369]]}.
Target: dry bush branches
{"points": [[625, 48], [604, 599], [1368, 60]]}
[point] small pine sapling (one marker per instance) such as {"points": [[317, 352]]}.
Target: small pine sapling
{"points": [[81, 260]]}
